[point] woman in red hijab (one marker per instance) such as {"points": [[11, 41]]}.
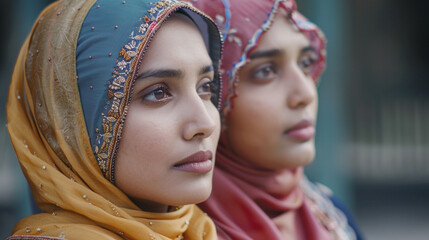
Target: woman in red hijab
{"points": [[273, 57]]}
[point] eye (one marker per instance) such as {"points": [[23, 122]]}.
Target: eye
{"points": [[156, 94], [308, 61], [265, 72], [206, 89]]}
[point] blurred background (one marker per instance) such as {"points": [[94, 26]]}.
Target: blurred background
{"points": [[373, 132]]}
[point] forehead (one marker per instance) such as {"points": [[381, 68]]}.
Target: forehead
{"points": [[178, 43]]}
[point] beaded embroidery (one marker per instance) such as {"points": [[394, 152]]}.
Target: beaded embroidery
{"points": [[330, 216], [303, 25], [119, 89]]}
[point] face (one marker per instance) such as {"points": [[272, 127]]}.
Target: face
{"points": [[168, 144], [271, 124]]}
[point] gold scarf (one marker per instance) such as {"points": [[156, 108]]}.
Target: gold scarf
{"points": [[48, 132]]}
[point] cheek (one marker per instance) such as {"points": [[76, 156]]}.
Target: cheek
{"points": [[144, 137], [257, 108], [315, 106], [254, 120], [214, 114]]}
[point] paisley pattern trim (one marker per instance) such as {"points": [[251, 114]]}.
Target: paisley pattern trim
{"points": [[120, 88], [303, 25], [330, 216]]}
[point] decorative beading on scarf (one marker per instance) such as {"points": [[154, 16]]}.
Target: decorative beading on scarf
{"points": [[115, 111], [233, 38], [120, 88], [303, 24], [330, 216], [252, 44]]}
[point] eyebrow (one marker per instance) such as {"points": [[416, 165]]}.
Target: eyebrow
{"points": [[265, 54], [160, 73], [308, 49], [206, 69], [276, 53], [170, 73]]}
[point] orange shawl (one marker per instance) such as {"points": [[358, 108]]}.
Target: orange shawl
{"points": [[47, 129]]}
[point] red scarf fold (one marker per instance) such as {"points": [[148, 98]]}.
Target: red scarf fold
{"points": [[252, 203]]}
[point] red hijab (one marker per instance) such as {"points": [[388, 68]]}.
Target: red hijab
{"points": [[248, 202]]}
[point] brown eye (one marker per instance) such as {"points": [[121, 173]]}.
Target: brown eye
{"points": [[308, 61], [265, 72], [160, 93], [206, 89]]}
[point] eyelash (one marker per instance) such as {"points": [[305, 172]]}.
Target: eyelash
{"points": [[152, 98], [308, 62], [206, 94], [258, 74], [158, 88]]}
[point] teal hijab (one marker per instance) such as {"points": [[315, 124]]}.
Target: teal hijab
{"points": [[108, 54]]}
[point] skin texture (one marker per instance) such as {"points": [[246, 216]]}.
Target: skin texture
{"points": [[170, 118], [275, 92]]}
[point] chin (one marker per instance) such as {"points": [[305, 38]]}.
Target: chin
{"points": [[297, 159], [304, 160], [190, 199], [303, 155], [192, 194], [200, 198]]}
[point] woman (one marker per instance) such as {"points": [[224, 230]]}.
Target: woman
{"points": [[272, 60], [113, 132]]}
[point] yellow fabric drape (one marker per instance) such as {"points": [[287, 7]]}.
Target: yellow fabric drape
{"points": [[48, 132]]}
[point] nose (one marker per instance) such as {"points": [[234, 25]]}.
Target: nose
{"points": [[201, 118], [302, 89]]}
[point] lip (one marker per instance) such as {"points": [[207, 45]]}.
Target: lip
{"points": [[302, 131], [199, 162]]}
